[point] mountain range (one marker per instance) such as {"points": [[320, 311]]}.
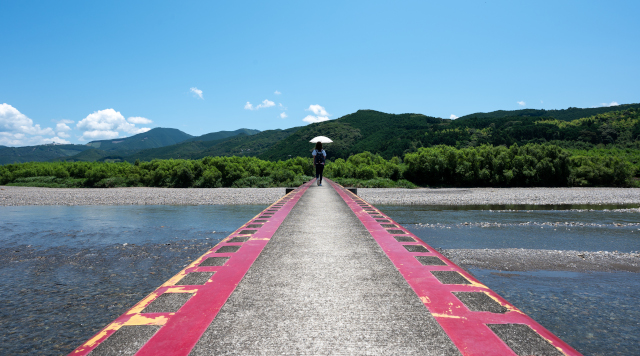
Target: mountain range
{"points": [[365, 130]]}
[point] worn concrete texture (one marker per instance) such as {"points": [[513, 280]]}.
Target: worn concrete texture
{"points": [[323, 286]]}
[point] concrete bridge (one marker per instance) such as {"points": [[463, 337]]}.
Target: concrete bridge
{"points": [[323, 272]]}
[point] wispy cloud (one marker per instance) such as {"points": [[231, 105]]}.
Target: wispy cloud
{"points": [[453, 117], [613, 103], [265, 104], [139, 120], [107, 124], [313, 119], [277, 92], [283, 115], [522, 103], [196, 92], [282, 107]]}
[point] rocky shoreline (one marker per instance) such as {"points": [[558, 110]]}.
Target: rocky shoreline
{"points": [[500, 196], [20, 196], [16, 196], [498, 259], [517, 259]]}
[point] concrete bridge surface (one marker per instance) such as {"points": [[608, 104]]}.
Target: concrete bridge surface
{"points": [[322, 272]]}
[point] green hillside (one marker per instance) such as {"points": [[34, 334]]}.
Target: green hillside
{"points": [[90, 155], [562, 115], [184, 149], [214, 136], [158, 137], [365, 130], [611, 128], [38, 153], [239, 145]]}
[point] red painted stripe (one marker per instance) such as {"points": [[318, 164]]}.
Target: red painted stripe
{"points": [[467, 329], [182, 330]]}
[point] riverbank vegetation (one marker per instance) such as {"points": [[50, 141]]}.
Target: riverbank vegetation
{"points": [[530, 165]]}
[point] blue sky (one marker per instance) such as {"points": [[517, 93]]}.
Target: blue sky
{"points": [[76, 71]]}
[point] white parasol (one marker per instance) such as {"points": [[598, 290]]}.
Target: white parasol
{"points": [[322, 139]]}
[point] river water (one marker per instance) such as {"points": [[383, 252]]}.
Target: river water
{"points": [[69, 270]]}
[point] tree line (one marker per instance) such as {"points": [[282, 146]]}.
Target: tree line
{"points": [[530, 165]]}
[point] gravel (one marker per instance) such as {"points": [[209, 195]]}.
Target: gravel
{"points": [[500, 196], [12, 196], [517, 259]]}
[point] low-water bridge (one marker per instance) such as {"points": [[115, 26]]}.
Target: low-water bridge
{"points": [[322, 272]]}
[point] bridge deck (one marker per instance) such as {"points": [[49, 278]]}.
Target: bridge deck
{"points": [[323, 272]]}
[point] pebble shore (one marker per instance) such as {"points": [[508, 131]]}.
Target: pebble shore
{"points": [[14, 196], [518, 259], [500, 196]]}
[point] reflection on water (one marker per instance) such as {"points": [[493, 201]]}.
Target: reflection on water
{"points": [[597, 313]]}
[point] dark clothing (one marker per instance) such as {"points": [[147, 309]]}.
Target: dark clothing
{"points": [[319, 169]]}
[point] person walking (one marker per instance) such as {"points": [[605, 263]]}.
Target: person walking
{"points": [[319, 156]]}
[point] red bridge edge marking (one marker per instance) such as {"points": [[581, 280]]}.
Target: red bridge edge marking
{"points": [[180, 331], [467, 329]]}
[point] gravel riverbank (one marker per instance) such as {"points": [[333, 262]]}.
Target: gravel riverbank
{"points": [[500, 196], [517, 259], [13, 196]]}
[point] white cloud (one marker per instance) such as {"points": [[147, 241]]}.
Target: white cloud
{"points": [[282, 107], [522, 103], [318, 110], [277, 92], [613, 103], [65, 121], [265, 104], [20, 139], [62, 127], [16, 129], [106, 124], [12, 120], [283, 115], [312, 119], [98, 135], [321, 114], [139, 120], [196, 92], [453, 117]]}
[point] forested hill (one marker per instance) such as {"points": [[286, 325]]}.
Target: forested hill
{"points": [[562, 115], [239, 145], [157, 137], [394, 135], [365, 130], [223, 134], [620, 128], [38, 153]]}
